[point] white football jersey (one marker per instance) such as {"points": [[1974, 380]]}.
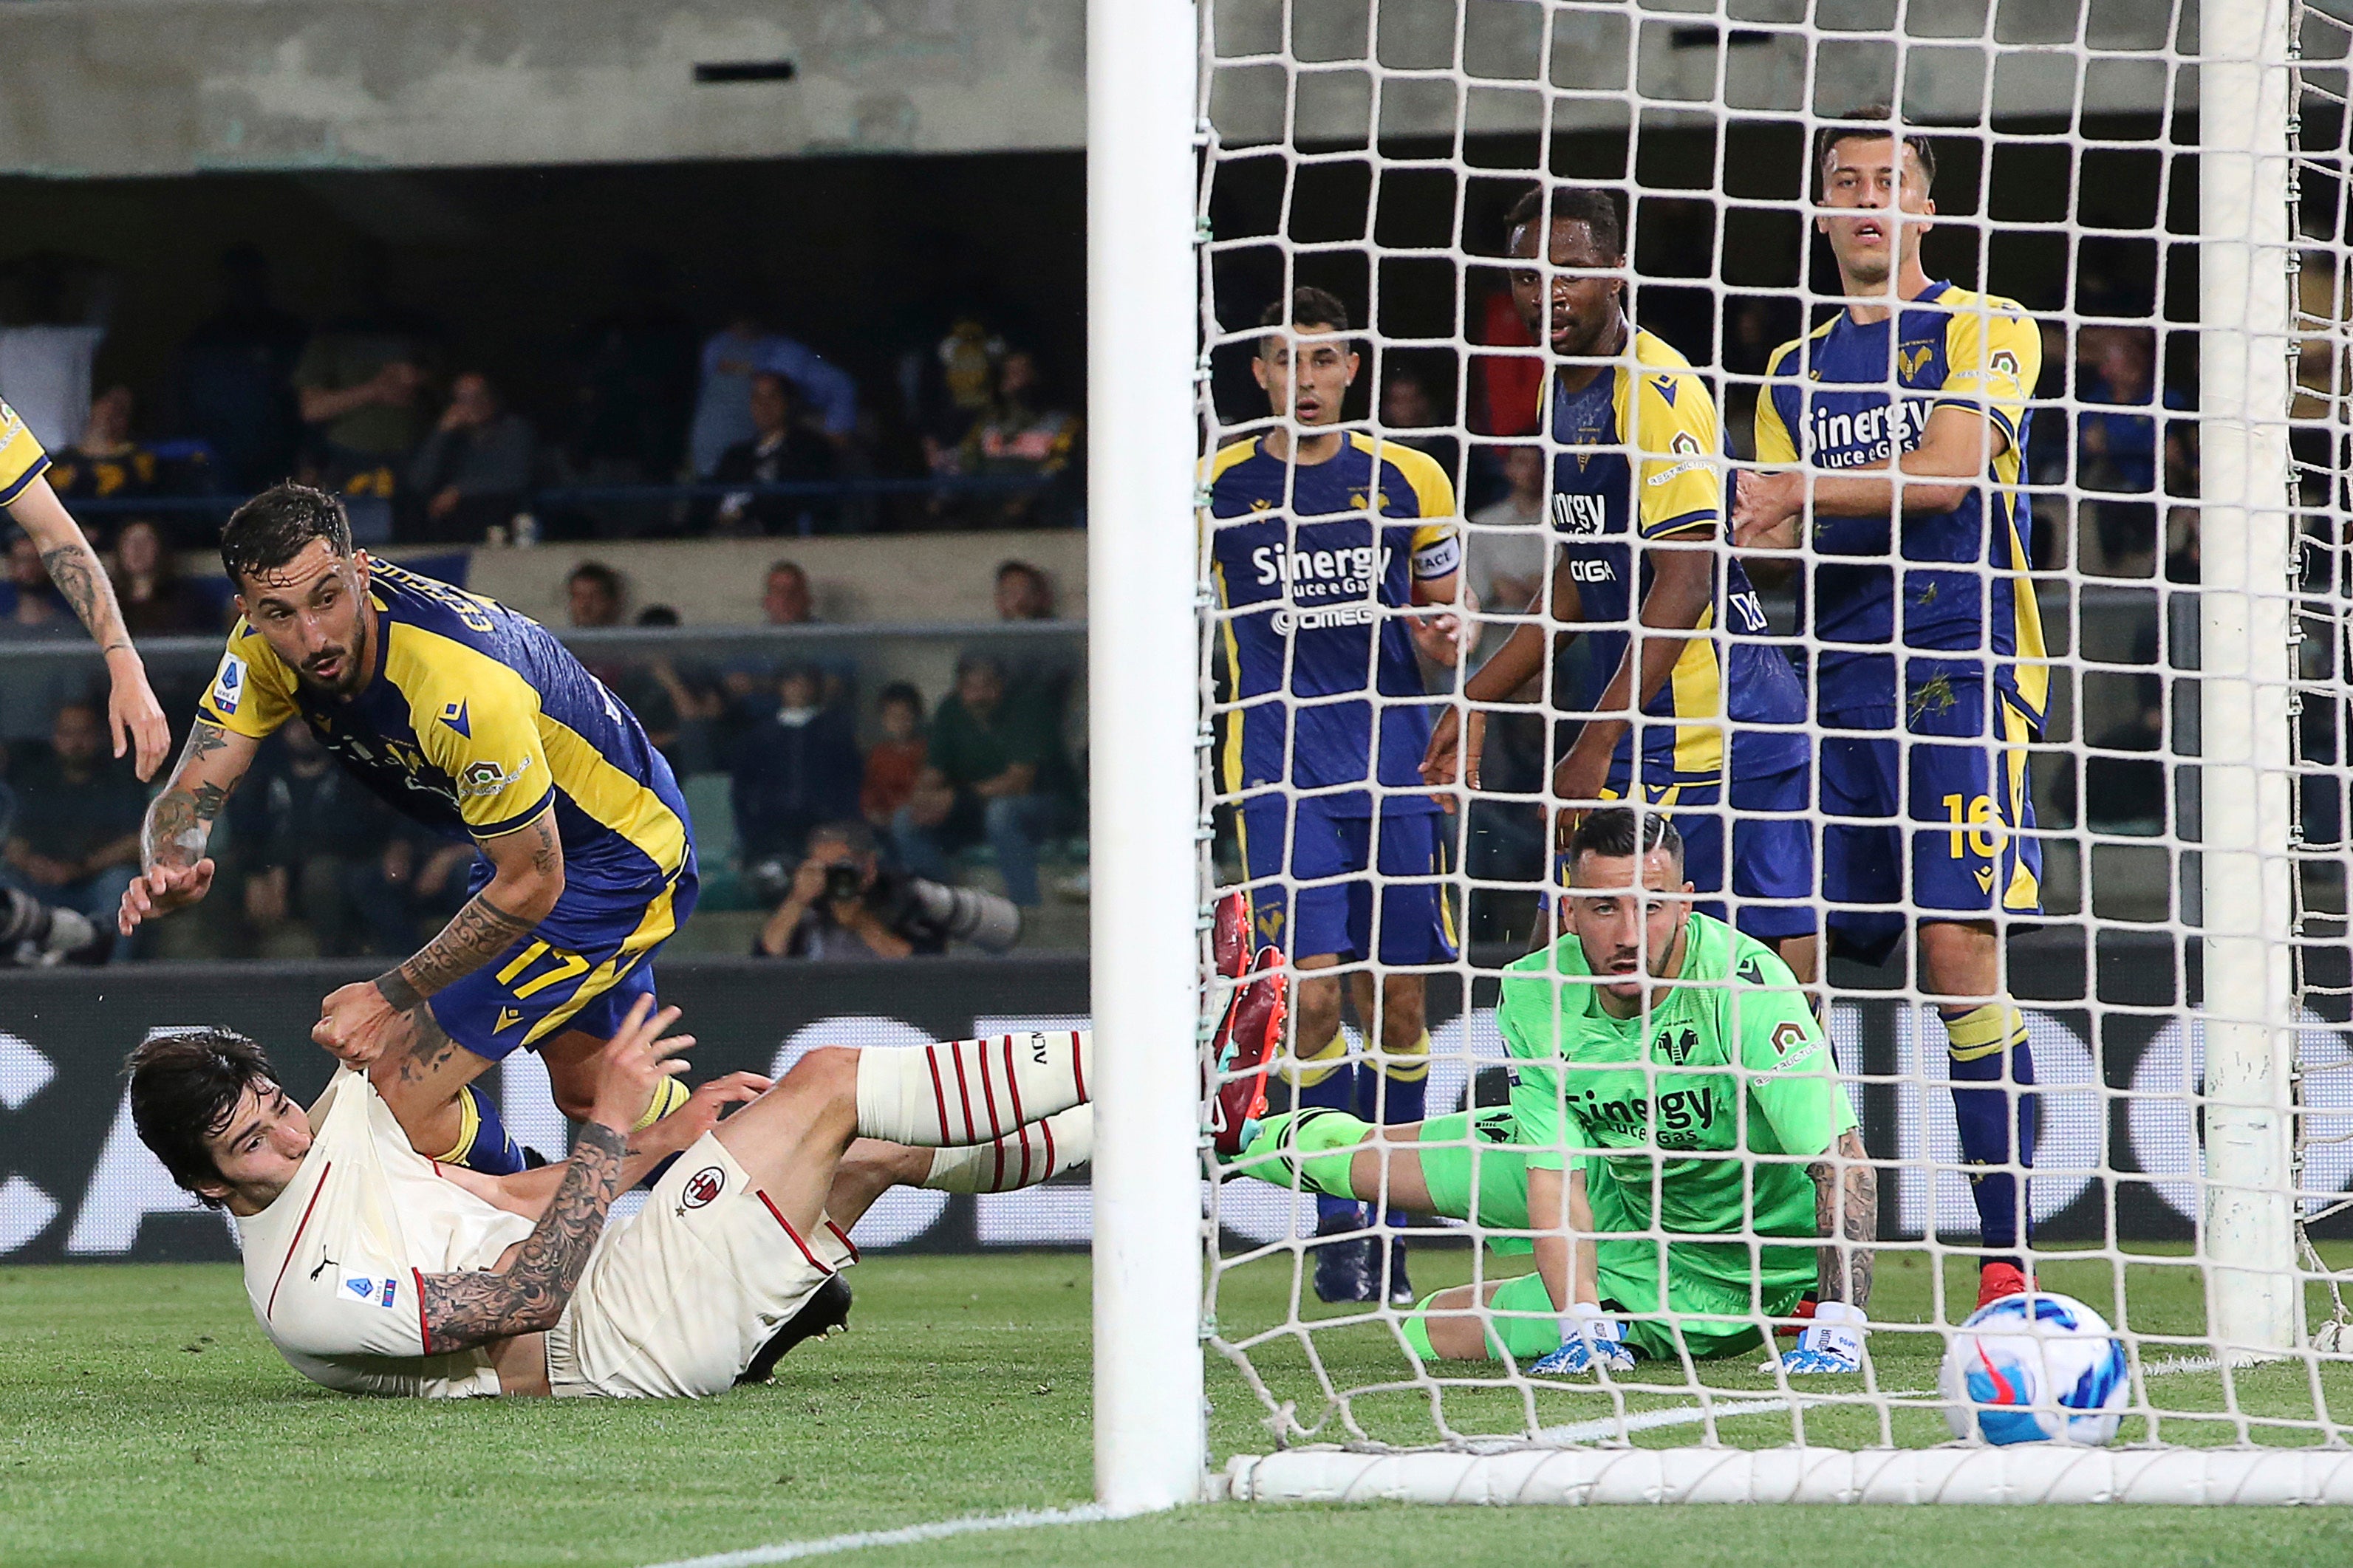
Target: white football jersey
{"points": [[334, 1266]]}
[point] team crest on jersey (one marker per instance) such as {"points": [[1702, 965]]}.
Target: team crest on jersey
{"points": [[1913, 358], [1677, 1046], [702, 1187], [228, 686]]}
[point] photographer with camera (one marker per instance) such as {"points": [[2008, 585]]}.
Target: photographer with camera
{"points": [[843, 902]]}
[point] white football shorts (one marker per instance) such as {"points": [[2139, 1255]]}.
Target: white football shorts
{"points": [[676, 1303]]}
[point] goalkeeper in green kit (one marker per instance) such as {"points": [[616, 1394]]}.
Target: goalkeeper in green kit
{"points": [[1659, 1054]]}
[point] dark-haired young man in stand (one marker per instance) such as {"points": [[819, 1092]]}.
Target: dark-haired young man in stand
{"points": [[474, 722]]}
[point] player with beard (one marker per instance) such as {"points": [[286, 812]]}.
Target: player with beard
{"points": [[1668, 1076], [474, 722]]}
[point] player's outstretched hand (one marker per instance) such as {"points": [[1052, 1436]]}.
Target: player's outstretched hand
{"points": [[677, 1130], [160, 890], [637, 1061]]}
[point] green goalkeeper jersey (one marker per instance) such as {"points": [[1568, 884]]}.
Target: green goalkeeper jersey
{"points": [[1728, 1081]]}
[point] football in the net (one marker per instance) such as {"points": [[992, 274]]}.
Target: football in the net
{"points": [[2035, 1368]]}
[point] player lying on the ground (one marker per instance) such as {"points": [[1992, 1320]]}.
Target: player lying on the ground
{"points": [[377, 1271], [475, 722], [1590, 1117]]}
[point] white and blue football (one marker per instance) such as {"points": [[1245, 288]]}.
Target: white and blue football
{"points": [[2035, 1368]]}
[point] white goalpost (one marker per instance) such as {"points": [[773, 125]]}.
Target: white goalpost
{"points": [[2186, 983], [1150, 1446]]}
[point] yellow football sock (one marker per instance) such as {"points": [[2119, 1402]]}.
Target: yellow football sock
{"points": [[669, 1095], [1983, 1030]]}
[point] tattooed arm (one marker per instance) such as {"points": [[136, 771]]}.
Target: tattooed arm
{"points": [[529, 1292], [173, 869], [1846, 1213], [529, 1295], [527, 877], [136, 718], [358, 1022]]}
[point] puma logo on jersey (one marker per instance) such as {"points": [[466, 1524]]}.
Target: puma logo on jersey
{"points": [[1579, 514]]}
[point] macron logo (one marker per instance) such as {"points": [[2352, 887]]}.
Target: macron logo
{"points": [[454, 715]]}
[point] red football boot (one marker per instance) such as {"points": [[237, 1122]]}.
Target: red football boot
{"points": [[1998, 1279], [1230, 935], [1247, 1037]]}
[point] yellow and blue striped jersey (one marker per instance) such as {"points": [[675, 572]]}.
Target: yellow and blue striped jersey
{"points": [[21, 458], [1860, 394], [474, 720], [1637, 461], [1318, 558]]}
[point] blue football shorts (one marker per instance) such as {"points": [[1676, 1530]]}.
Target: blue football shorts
{"points": [[1935, 815], [1311, 894], [581, 968]]}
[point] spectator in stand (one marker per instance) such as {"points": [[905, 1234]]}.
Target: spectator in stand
{"points": [[593, 598], [967, 357], [995, 771], [894, 762], [1411, 417], [33, 612], [106, 464], [359, 384], [2119, 450], [693, 694], [748, 683], [1506, 385], [722, 408], [74, 841], [237, 374], [796, 770], [1040, 673], [1019, 440], [310, 841], [156, 600], [823, 916], [1511, 542], [638, 380], [786, 447], [477, 466], [1023, 593]]}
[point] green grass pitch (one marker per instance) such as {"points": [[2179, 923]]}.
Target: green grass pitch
{"points": [[144, 1420]]}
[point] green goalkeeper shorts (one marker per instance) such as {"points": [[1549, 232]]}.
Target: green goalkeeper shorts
{"points": [[1708, 1318], [1474, 1151]]}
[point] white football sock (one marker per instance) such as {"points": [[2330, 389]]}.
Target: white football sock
{"points": [[971, 1091], [1031, 1154]]}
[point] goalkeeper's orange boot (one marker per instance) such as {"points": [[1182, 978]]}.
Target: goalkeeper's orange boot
{"points": [[1243, 1048]]}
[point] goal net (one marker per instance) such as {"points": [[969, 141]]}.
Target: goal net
{"points": [[2069, 817]]}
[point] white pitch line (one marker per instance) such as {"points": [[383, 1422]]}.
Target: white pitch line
{"points": [[908, 1535]]}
